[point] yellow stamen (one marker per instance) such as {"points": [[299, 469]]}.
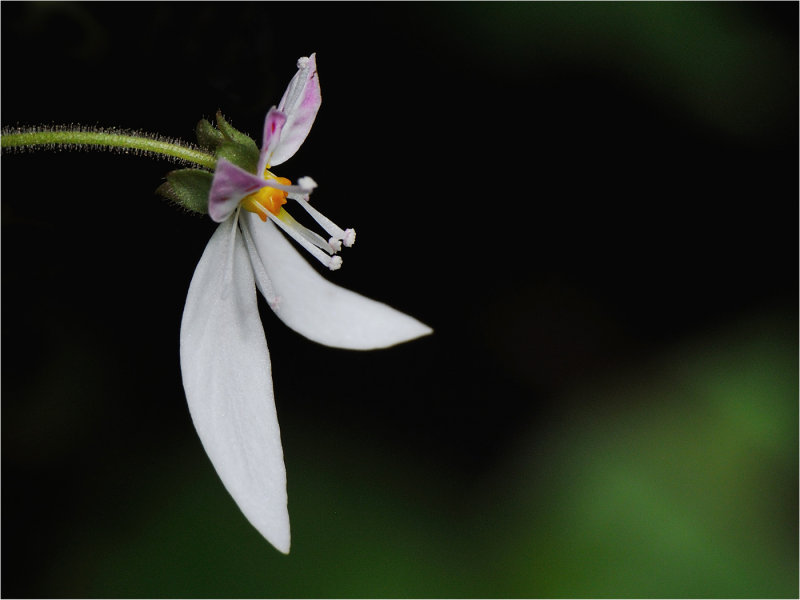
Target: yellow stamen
{"points": [[267, 198]]}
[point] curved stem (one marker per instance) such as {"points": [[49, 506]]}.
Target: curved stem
{"points": [[106, 139]]}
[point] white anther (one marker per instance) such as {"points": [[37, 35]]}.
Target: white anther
{"points": [[336, 245], [349, 237], [336, 263], [302, 62], [307, 183]]}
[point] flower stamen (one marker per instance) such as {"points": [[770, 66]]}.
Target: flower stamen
{"points": [[310, 241], [267, 202], [338, 235]]}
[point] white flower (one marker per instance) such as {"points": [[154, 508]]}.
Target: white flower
{"points": [[224, 358]]}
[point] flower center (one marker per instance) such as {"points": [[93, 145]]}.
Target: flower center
{"points": [[267, 198]]}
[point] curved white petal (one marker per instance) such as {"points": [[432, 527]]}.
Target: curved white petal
{"points": [[315, 307], [227, 377]]}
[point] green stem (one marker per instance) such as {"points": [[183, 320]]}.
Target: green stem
{"points": [[109, 140]]}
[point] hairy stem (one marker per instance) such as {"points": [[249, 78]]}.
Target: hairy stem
{"points": [[68, 138]]}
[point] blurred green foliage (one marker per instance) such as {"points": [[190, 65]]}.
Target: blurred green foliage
{"points": [[679, 483]]}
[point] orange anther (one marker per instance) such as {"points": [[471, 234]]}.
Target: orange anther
{"points": [[266, 199]]}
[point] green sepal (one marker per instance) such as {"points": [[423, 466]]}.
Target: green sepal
{"points": [[232, 134], [237, 147], [238, 155], [189, 188], [208, 136]]}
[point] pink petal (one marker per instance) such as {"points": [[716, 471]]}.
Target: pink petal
{"points": [[230, 185], [300, 103], [273, 125]]}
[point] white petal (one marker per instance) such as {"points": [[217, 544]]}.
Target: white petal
{"points": [[320, 310], [228, 382]]}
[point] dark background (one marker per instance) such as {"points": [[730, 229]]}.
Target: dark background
{"points": [[595, 206]]}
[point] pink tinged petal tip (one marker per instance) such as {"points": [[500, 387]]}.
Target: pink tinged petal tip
{"points": [[300, 103], [273, 125], [229, 186]]}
